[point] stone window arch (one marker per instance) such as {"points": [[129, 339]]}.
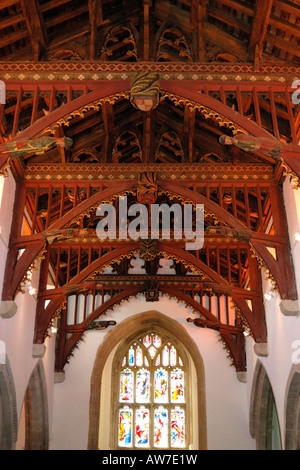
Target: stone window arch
{"points": [[101, 398], [8, 406], [35, 407], [150, 392], [264, 423], [292, 411]]}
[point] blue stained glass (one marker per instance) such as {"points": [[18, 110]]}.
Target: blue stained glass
{"points": [[161, 386], [142, 427], [142, 386], [161, 427], [131, 356], [177, 425], [126, 386], [125, 427]]}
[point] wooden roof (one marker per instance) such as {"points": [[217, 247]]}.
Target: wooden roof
{"points": [[212, 30], [50, 53]]}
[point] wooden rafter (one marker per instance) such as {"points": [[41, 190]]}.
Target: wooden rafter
{"points": [[259, 28], [109, 127], [146, 29], [34, 21], [198, 13], [96, 18]]}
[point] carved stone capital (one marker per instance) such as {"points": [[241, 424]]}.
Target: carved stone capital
{"points": [[261, 349], [38, 350], [242, 376], [59, 377], [8, 308], [290, 308]]}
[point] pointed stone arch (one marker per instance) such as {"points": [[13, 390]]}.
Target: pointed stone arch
{"points": [[36, 411], [263, 411], [292, 410], [8, 406], [134, 325]]}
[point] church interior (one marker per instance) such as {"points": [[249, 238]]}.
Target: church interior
{"points": [[114, 336]]}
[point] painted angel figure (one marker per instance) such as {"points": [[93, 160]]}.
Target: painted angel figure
{"points": [[38, 146], [249, 143]]}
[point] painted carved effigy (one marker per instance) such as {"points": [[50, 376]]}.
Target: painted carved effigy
{"points": [[36, 146], [248, 143], [147, 188], [144, 92], [148, 249]]}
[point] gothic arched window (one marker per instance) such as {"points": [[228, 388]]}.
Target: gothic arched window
{"points": [[151, 394]]}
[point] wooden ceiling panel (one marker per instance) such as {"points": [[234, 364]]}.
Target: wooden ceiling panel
{"points": [[218, 30]]}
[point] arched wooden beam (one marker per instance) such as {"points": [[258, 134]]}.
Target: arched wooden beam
{"points": [[184, 89], [16, 269], [43, 316], [233, 336], [31, 252], [66, 348], [255, 317], [13, 277], [236, 345], [106, 90], [226, 331], [179, 253], [282, 269], [290, 153], [200, 199], [192, 302]]}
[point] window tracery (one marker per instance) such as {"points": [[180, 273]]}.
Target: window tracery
{"points": [[152, 406]]}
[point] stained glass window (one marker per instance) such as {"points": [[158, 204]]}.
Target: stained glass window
{"points": [[142, 423], [177, 425], [126, 385], [139, 356], [161, 428], [161, 386], [177, 386], [142, 389], [125, 427], [152, 380], [165, 356]]}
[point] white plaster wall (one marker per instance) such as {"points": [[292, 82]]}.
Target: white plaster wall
{"points": [[283, 331], [7, 196], [227, 418], [17, 332]]}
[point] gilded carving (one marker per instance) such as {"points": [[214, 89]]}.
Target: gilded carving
{"points": [[147, 188], [144, 92], [148, 249]]}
